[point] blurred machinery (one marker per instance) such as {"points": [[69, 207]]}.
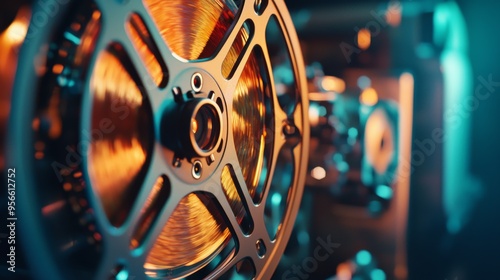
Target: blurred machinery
{"points": [[389, 84]]}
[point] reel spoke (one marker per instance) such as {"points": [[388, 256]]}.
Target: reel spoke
{"points": [[239, 44], [256, 212], [232, 219], [258, 22]]}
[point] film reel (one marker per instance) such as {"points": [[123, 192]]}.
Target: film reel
{"points": [[154, 139]]}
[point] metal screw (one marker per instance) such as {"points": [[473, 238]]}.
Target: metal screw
{"points": [[196, 82], [197, 169]]}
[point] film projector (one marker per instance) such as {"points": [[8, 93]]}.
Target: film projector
{"points": [[149, 139]]}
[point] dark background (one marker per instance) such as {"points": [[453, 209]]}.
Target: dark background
{"points": [[474, 252]]}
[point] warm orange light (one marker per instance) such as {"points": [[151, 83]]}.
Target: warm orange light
{"points": [[364, 39], [406, 93], [67, 187], [57, 69], [53, 207], [331, 83], [344, 271], [369, 97], [88, 39], [323, 96], [10, 39], [17, 31], [194, 126], [393, 14]]}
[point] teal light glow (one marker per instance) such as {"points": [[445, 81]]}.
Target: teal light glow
{"points": [[276, 199], [425, 50], [75, 40], [338, 157], [363, 258], [461, 190], [374, 207], [301, 19], [377, 274], [343, 167], [353, 132], [322, 111], [303, 237], [384, 192], [122, 275]]}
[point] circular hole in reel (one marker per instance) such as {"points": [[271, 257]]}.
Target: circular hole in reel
{"points": [[206, 127]]}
